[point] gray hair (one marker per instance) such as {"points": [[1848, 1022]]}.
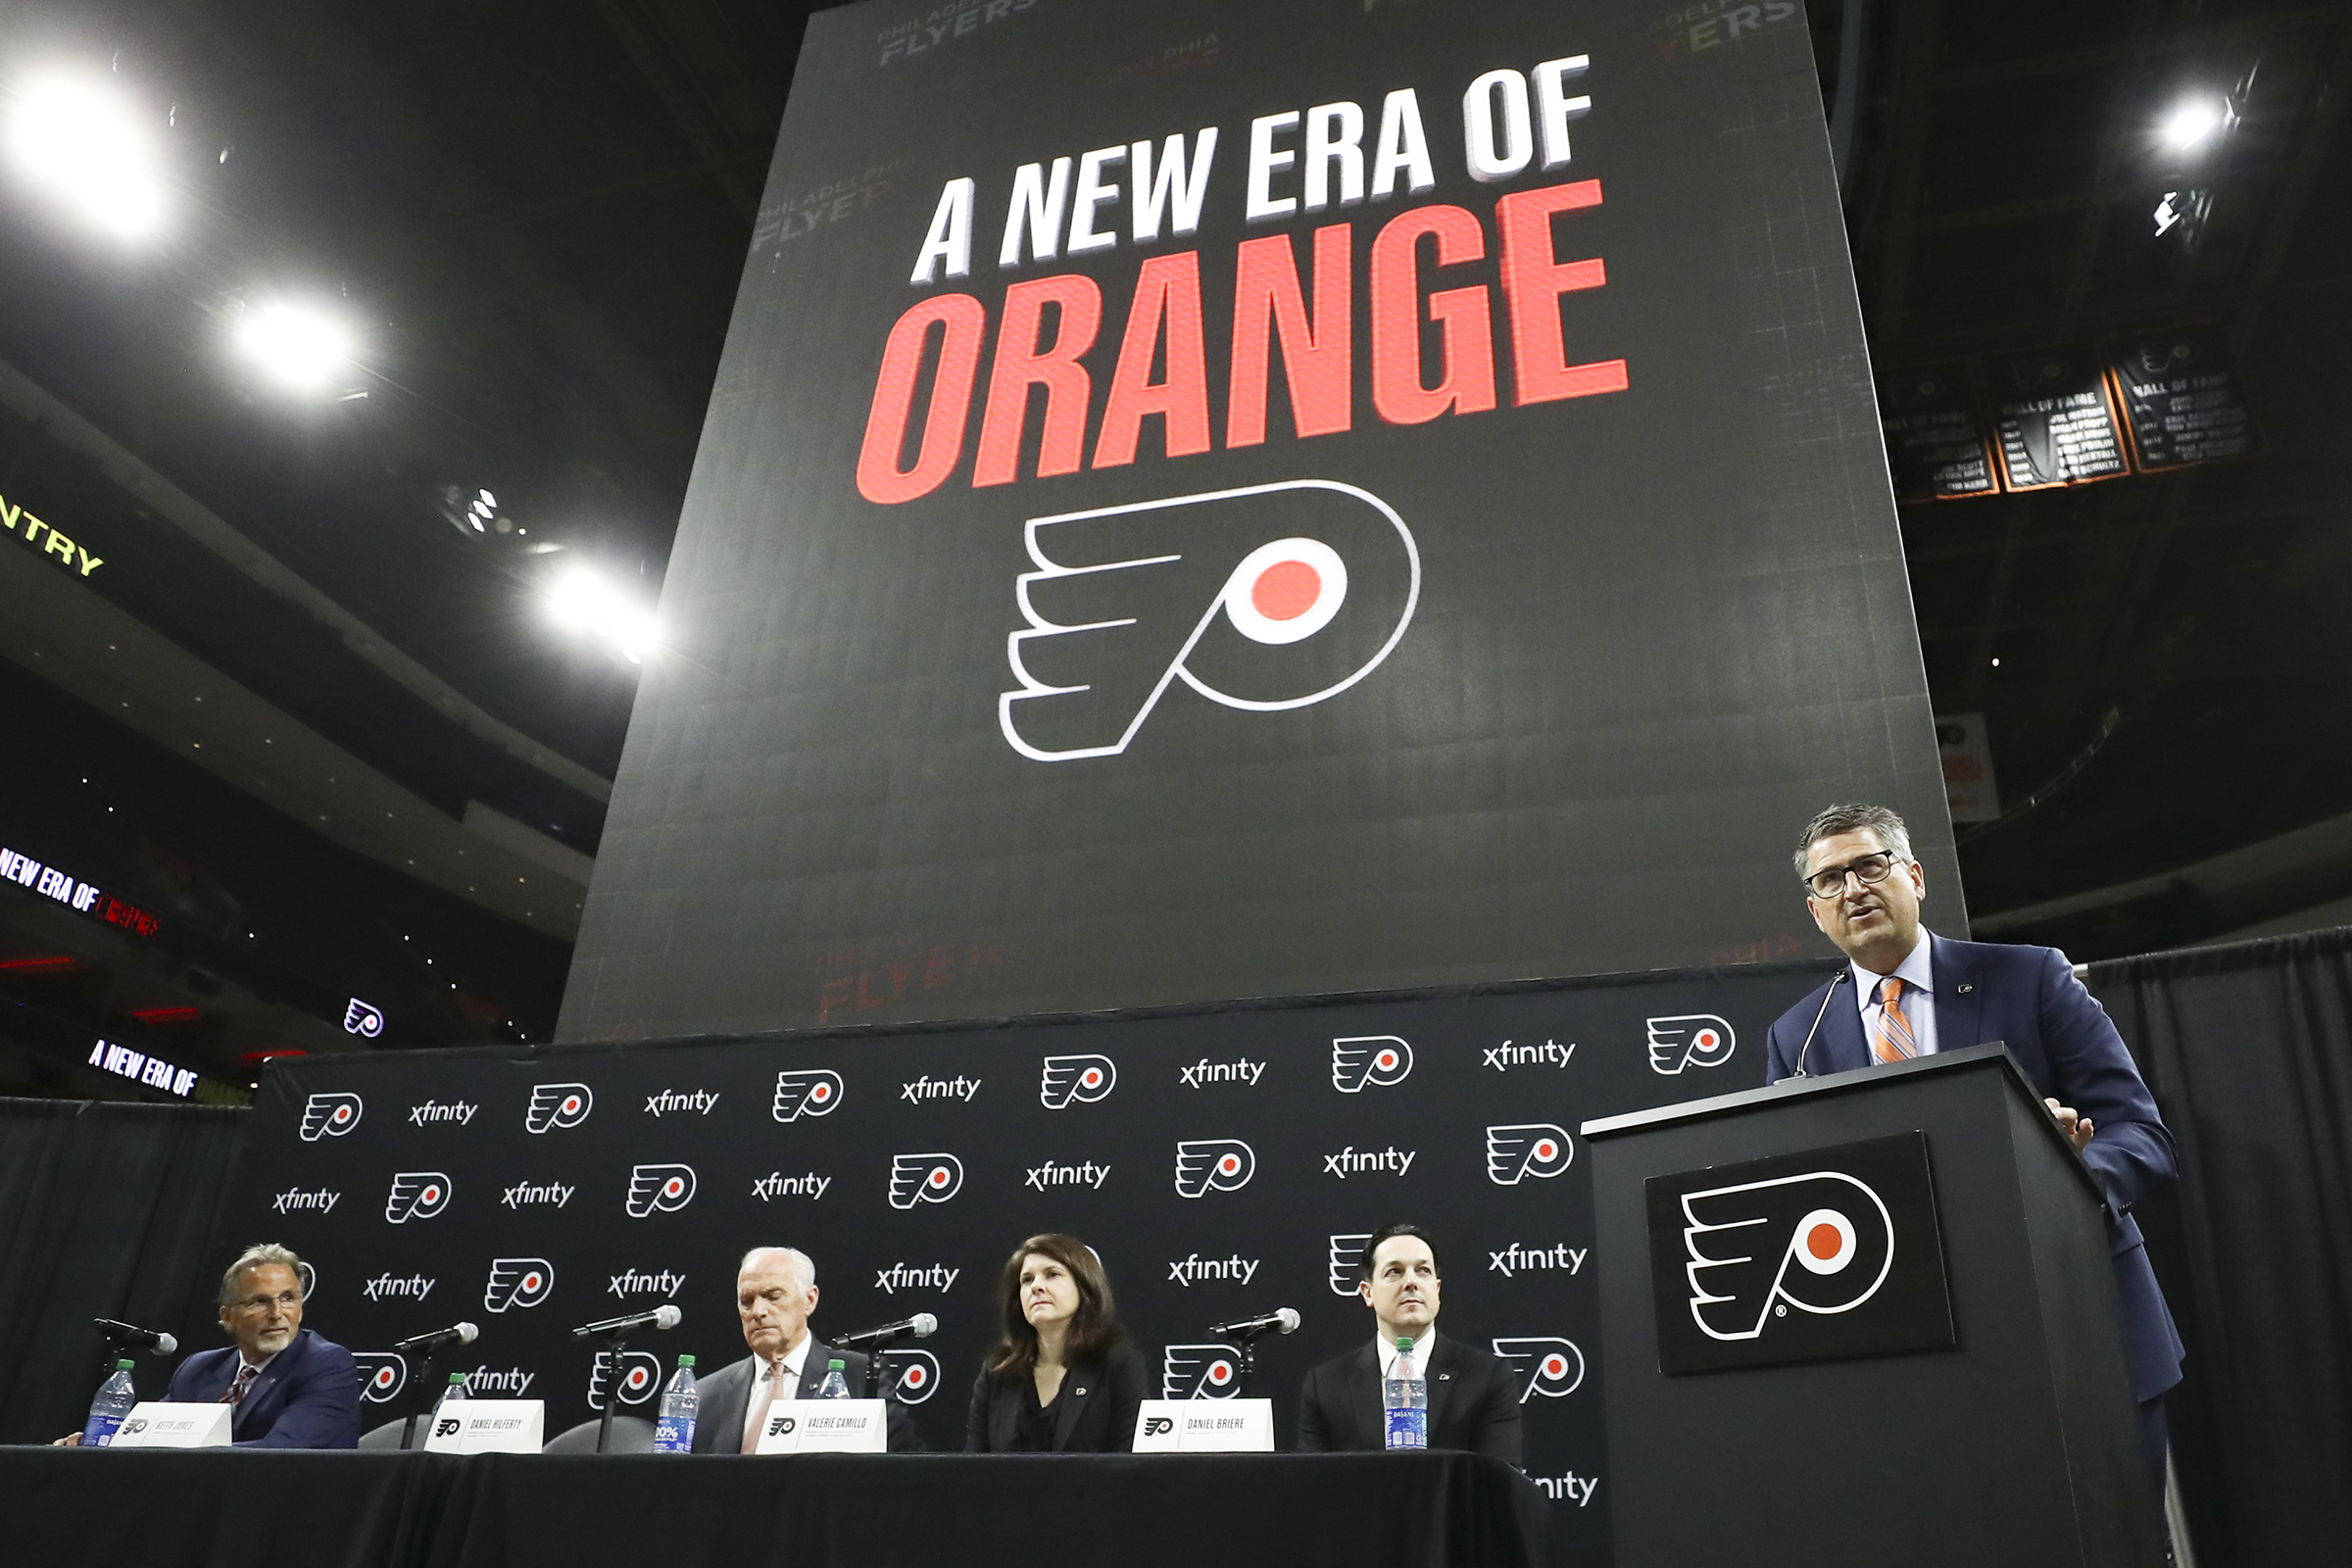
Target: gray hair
{"points": [[1852, 818], [804, 1267], [261, 1254]]}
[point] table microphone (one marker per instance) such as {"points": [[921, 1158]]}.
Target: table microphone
{"points": [[1281, 1320], [155, 1342], [1836, 980], [454, 1334], [663, 1316], [921, 1325]]}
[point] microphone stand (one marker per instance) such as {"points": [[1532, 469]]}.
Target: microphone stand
{"points": [[425, 1375], [1248, 1380], [615, 1343], [873, 1363]]}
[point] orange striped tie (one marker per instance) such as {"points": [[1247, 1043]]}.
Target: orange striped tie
{"points": [[1894, 1041]]}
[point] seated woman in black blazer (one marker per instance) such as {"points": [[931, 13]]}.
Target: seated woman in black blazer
{"points": [[1063, 1379]]}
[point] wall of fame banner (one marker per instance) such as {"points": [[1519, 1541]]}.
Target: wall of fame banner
{"points": [[1222, 1165], [1211, 500]]}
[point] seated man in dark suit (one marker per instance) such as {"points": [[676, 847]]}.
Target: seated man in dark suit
{"points": [[1473, 1398], [292, 1389], [776, 1291], [1916, 994]]}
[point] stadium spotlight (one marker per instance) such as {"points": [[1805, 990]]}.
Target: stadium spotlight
{"points": [[585, 602], [88, 145], [301, 348], [2193, 121]]}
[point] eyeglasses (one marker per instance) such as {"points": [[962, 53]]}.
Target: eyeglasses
{"points": [[289, 1299], [1868, 870]]}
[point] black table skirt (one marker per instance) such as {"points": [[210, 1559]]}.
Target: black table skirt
{"points": [[390, 1510]]}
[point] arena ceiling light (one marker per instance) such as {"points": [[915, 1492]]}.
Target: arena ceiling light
{"points": [[2195, 122], [300, 347], [587, 603], [93, 148]]}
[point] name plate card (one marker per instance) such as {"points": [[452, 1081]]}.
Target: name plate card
{"points": [[826, 1426], [156, 1425], [488, 1426], [1205, 1426]]}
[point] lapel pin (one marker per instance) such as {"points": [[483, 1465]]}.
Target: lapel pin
{"points": [[1964, 990], [1082, 1394]]}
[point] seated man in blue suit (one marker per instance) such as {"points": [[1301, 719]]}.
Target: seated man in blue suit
{"points": [[1916, 993], [292, 1389]]}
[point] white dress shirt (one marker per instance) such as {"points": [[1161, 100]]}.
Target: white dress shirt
{"points": [[1918, 1002], [787, 1373], [1422, 1347]]}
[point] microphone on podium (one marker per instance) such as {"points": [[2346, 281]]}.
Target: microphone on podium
{"points": [[454, 1334], [1836, 980], [921, 1325], [663, 1316], [1281, 1320], [155, 1342]]}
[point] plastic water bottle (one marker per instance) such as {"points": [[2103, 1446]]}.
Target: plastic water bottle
{"points": [[1405, 1397], [454, 1389], [115, 1400], [837, 1383], [673, 1427]]}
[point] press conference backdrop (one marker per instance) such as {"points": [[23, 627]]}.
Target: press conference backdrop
{"points": [[1221, 1163], [1208, 500]]}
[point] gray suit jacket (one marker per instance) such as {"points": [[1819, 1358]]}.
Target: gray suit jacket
{"points": [[727, 1398]]}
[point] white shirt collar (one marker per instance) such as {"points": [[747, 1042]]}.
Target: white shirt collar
{"points": [[1916, 972], [794, 1359], [1422, 1347]]}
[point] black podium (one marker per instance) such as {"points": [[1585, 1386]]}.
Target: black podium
{"points": [[1865, 1318]]}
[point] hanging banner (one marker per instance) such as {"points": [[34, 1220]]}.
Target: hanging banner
{"points": [[1936, 445], [2182, 396], [2054, 419]]}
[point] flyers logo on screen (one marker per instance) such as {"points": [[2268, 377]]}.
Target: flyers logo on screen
{"points": [[555, 1106], [1550, 1366], [1693, 1039], [518, 1282], [417, 1195], [1201, 1372], [640, 1375], [1213, 1165], [1076, 1080], [1376, 1059], [808, 1092], [1821, 1243], [1226, 591], [660, 1190], [1345, 1250], [1533, 1149], [924, 1179], [330, 1115], [917, 1375], [382, 1375]]}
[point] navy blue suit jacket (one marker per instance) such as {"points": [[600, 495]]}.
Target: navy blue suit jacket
{"points": [[2029, 999], [307, 1397]]}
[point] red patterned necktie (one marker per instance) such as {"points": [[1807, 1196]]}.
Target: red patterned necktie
{"points": [[1894, 1042], [236, 1392]]}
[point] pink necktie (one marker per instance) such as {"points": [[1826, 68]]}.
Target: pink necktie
{"points": [[1894, 1041], [766, 1397]]}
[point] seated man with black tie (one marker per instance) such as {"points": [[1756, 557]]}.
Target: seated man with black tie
{"points": [[776, 1291], [292, 1389], [1473, 1398]]}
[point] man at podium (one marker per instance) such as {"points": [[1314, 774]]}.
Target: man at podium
{"points": [[1915, 993]]}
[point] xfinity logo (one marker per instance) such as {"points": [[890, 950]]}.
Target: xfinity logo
{"points": [[919, 1374], [1514, 1257], [511, 1382], [1205, 1072], [1346, 1251], [1352, 1162], [416, 1195], [1213, 1165], [1821, 1243], [553, 1195], [1550, 1366], [1187, 1271], [555, 1106], [384, 1286], [1505, 1056], [329, 1115], [699, 1102], [1535, 1148], [901, 1277], [382, 1375], [518, 1282], [775, 1185], [294, 1199], [1047, 1175], [956, 1088], [659, 1189], [1076, 1080], [1376, 1059], [924, 1179], [640, 1375], [809, 1092], [1201, 1372], [634, 1282], [432, 1111], [1693, 1039], [1570, 1487]]}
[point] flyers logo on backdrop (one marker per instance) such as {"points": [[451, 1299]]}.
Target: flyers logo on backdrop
{"points": [[1213, 1165], [518, 1282], [382, 1375], [1821, 1243], [417, 1195], [1376, 1059], [1535, 1148], [660, 1189], [917, 1375], [1550, 1366], [1201, 1372], [555, 1106], [330, 1115], [1346, 1252], [924, 1179], [1080, 1080], [1224, 591], [640, 1375], [1694, 1040], [309, 1277], [808, 1092]]}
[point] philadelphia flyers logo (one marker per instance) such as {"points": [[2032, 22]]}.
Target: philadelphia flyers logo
{"points": [[518, 1282], [1821, 1243], [1201, 1372], [417, 1195], [809, 1092], [917, 1375], [1076, 1080], [1693, 1039], [659, 1189], [924, 1179], [1376, 1059], [1535, 1148], [640, 1375], [1261, 599], [1213, 1165], [330, 1115], [1347, 1252], [557, 1107], [382, 1375], [1548, 1366]]}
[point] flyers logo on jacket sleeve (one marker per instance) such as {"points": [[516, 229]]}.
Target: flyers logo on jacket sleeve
{"points": [[1821, 1243], [554, 1106], [417, 1195], [1535, 1148], [808, 1092], [1550, 1366], [330, 1115], [1080, 1080], [1213, 1165], [1260, 599], [660, 1189], [1201, 1372], [1693, 1039], [1376, 1059], [924, 1179], [518, 1282]]}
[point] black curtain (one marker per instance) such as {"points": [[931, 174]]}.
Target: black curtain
{"points": [[105, 1210], [2248, 1048]]}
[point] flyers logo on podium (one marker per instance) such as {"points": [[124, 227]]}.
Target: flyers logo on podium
{"points": [[1376, 1059], [330, 1115], [382, 1375], [1213, 1165], [1535, 1148], [1693, 1039], [1201, 1372], [417, 1195], [809, 1092], [555, 1106], [659, 1190], [924, 1179], [1076, 1080], [518, 1282], [1552, 1367]]}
